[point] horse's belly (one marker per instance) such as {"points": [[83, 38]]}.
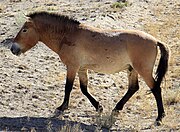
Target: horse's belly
{"points": [[108, 68], [115, 60]]}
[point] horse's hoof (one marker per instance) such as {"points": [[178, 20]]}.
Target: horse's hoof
{"points": [[100, 109], [115, 112], [158, 123], [57, 113], [63, 107]]}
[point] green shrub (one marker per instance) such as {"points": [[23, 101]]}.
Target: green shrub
{"points": [[119, 4]]}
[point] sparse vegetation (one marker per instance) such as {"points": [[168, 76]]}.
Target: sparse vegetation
{"points": [[119, 4], [69, 128], [105, 120], [172, 97]]}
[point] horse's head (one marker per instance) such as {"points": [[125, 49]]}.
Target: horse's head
{"points": [[25, 39]]}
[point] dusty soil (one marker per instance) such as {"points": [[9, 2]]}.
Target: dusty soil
{"points": [[32, 85]]}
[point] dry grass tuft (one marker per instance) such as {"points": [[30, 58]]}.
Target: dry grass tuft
{"points": [[105, 120], [171, 97], [71, 128]]}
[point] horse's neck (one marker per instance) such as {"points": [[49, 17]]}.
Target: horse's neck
{"points": [[53, 36], [51, 39]]}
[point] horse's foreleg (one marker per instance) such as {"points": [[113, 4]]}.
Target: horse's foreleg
{"points": [[83, 85], [71, 73], [133, 87]]}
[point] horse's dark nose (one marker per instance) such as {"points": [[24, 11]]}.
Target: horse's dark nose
{"points": [[15, 49]]}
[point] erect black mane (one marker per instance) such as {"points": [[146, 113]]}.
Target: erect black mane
{"points": [[53, 16]]}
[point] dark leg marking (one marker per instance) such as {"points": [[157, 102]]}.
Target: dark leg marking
{"points": [[133, 87], [157, 94], [91, 99], [83, 85], [68, 89]]}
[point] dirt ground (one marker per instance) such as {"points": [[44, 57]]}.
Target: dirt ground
{"points": [[32, 85]]}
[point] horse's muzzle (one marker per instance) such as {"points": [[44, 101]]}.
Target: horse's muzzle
{"points": [[15, 49]]}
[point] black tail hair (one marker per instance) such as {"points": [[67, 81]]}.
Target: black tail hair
{"points": [[163, 64]]}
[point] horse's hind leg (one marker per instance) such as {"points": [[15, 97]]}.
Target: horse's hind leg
{"points": [[83, 85], [156, 90], [157, 94], [132, 88]]}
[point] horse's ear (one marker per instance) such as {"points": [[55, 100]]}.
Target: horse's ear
{"points": [[30, 22], [28, 18]]}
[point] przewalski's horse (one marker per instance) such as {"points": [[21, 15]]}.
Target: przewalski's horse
{"points": [[81, 47]]}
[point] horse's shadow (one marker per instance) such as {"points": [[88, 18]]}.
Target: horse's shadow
{"points": [[44, 124]]}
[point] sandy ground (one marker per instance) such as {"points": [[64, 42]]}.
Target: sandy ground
{"points": [[32, 85]]}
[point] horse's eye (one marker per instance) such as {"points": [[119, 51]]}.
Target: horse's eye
{"points": [[24, 30]]}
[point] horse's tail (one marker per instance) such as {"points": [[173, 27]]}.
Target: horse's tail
{"points": [[163, 63]]}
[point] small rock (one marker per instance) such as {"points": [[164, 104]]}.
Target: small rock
{"points": [[35, 96]]}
